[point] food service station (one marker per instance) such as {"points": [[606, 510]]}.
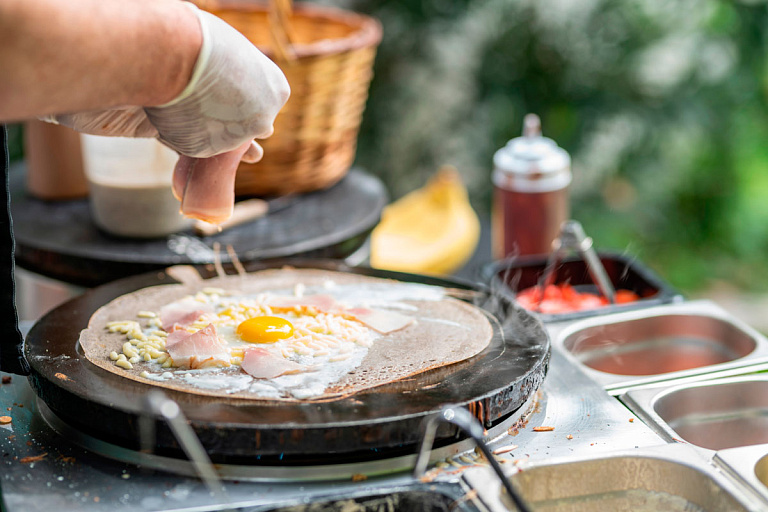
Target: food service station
{"points": [[602, 388]]}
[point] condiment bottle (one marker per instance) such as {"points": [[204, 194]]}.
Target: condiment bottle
{"points": [[530, 199], [54, 162]]}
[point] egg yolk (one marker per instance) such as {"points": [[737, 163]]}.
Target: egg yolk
{"points": [[265, 329]]}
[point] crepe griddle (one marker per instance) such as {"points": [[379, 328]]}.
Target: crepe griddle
{"points": [[380, 422]]}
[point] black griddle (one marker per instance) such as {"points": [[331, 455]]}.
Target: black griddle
{"points": [[382, 422], [59, 239]]}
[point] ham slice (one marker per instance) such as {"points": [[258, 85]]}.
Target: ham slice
{"points": [[175, 337], [324, 303], [179, 315], [201, 349], [206, 186], [261, 364], [380, 320]]}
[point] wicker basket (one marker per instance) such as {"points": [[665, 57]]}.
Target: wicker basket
{"points": [[327, 55]]}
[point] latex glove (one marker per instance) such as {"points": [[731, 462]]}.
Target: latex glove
{"points": [[116, 122], [234, 95]]}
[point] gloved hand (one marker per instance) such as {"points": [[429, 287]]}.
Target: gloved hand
{"points": [[234, 95]]}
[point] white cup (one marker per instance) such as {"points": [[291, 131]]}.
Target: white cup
{"points": [[130, 186]]}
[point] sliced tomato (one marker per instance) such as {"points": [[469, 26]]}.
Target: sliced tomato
{"points": [[564, 298], [625, 296]]}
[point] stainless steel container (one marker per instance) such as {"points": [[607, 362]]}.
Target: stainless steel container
{"points": [[748, 465], [712, 414], [670, 478], [686, 341]]}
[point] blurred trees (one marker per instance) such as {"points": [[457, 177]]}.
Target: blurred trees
{"points": [[661, 104]]}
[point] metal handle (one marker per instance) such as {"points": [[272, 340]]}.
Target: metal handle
{"points": [[572, 237], [467, 423], [160, 405]]}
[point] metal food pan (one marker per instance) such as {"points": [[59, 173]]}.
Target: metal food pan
{"points": [[512, 275], [420, 497], [714, 414], [670, 478], [684, 341], [748, 465]]}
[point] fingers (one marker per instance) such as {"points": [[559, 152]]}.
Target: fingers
{"points": [[267, 133], [181, 175], [253, 154]]}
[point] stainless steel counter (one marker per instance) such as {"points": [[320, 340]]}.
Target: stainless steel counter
{"points": [[585, 420], [575, 434]]}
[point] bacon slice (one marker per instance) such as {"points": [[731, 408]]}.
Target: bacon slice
{"points": [[380, 320], [201, 349], [179, 315], [261, 364]]}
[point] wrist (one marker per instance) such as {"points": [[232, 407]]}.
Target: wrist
{"points": [[184, 38], [203, 55]]}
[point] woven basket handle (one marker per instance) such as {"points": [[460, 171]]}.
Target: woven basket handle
{"points": [[280, 28]]}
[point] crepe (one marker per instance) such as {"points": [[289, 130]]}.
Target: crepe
{"points": [[444, 331]]}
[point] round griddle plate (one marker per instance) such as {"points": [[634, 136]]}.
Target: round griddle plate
{"points": [[59, 239], [383, 421]]}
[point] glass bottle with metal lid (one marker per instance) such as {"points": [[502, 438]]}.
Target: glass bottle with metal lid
{"points": [[530, 200]]}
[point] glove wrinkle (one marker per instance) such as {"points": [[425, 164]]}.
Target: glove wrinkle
{"points": [[116, 122]]}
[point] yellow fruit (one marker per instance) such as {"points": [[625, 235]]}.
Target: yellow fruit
{"points": [[432, 230]]}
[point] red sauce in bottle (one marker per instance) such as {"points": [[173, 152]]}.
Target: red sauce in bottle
{"points": [[531, 199], [527, 223]]}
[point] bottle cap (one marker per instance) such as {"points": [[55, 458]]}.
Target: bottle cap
{"points": [[532, 162]]}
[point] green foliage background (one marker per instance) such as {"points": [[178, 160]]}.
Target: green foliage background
{"points": [[661, 104]]}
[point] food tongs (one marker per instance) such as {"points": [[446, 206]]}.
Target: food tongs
{"points": [[573, 238]]}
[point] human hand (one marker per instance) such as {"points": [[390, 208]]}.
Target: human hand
{"points": [[234, 96]]}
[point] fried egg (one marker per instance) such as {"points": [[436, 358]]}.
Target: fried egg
{"points": [[264, 329]]}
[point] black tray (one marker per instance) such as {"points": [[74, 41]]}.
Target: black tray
{"points": [[509, 276]]}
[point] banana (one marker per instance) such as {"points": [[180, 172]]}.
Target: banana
{"points": [[432, 230]]}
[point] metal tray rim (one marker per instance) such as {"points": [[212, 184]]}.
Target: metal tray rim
{"points": [[739, 463], [681, 454], [617, 384], [642, 402]]}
